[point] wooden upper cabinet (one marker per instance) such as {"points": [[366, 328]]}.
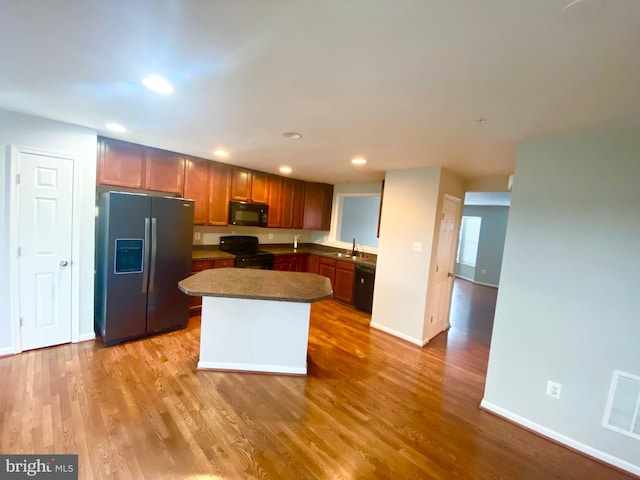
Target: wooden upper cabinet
{"points": [[260, 187], [219, 193], [196, 187], [299, 189], [164, 171], [275, 201], [327, 206], [249, 185], [318, 200], [120, 163], [240, 184], [286, 203]]}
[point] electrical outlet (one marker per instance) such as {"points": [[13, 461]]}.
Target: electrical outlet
{"points": [[483, 271], [196, 236], [554, 389], [417, 246], [271, 236]]}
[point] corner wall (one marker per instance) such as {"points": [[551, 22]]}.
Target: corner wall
{"points": [[80, 143], [568, 304]]}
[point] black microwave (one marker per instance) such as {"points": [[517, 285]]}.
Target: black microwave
{"points": [[248, 214]]}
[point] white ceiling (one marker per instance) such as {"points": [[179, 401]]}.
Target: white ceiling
{"points": [[401, 82]]}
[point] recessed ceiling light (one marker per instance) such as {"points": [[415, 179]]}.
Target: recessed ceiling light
{"points": [[221, 153], [285, 169], [292, 135], [157, 84], [115, 127], [359, 161]]}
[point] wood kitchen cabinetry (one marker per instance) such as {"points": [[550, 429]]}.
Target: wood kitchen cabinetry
{"points": [[195, 303], [208, 184], [275, 201], [291, 262], [120, 164], [318, 200], [164, 171], [314, 264], [219, 192], [344, 281], [341, 274], [249, 185], [123, 164], [292, 203], [196, 187]]}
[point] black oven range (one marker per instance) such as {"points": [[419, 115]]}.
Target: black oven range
{"points": [[248, 255]]}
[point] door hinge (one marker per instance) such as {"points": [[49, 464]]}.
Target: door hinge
{"points": [[437, 268], [17, 179], [19, 251], [21, 322]]}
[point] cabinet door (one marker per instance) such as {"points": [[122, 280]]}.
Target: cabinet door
{"points": [[219, 188], [260, 187], [327, 205], [286, 203], [120, 163], [314, 264], [328, 271], [275, 202], [299, 189], [164, 171], [224, 263], [241, 184], [344, 279], [196, 187], [313, 205]]}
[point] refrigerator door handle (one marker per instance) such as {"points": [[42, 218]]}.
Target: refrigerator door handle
{"points": [[154, 237], [145, 257]]}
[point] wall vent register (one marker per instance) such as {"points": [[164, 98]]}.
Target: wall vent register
{"points": [[622, 413]]}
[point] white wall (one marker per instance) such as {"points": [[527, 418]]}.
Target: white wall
{"points": [[79, 143], [568, 306], [408, 216]]}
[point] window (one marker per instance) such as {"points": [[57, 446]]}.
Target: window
{"points": [[469, 236], [359, 219]]}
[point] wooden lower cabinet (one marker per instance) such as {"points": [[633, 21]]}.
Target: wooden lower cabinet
{"points": [[344, 281], [341, 274], [296, 262], [195, 303], [314, 264]]}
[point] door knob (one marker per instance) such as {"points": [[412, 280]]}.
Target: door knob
{"points": [[449, 274], [63, 263]]}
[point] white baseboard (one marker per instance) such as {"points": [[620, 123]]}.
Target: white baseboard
{"points": [[252, 367], [6, 351], [475, 282], [395, 333], [563, 439], [86, 337]]}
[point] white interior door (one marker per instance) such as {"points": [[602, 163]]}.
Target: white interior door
{"points": [[445, 263], [45, 207]]}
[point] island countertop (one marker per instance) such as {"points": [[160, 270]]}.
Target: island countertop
{"points": [[254, 284]]}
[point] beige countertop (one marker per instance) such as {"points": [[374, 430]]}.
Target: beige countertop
{"points": [[254, 284], [212, 253]]}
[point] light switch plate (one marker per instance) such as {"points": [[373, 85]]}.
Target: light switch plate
{"points": [[271, 236], [417, 246], [196, 236]]}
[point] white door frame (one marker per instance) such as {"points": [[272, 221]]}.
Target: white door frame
{"points": [[13, 153]]}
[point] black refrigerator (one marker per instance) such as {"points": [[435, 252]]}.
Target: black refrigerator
{"points": [[144, 246]]}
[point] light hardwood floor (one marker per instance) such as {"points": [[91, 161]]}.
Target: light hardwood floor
{"points": [[372, 407]]}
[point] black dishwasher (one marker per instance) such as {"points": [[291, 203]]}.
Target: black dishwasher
{"points": [[363, 289]]}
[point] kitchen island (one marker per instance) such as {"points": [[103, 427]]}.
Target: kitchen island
{"points": [[255, 320]]}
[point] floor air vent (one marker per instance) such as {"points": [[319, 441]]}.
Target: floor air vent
{"points": [[623, 406]]}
